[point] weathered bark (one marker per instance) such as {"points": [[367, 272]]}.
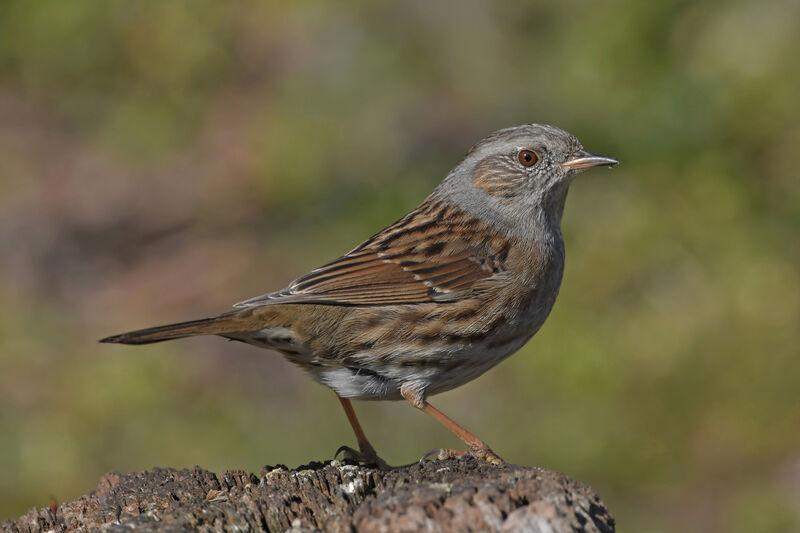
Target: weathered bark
{"points": [[455, 495]]}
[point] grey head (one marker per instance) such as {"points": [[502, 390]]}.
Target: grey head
{"points": [[518, 177]]}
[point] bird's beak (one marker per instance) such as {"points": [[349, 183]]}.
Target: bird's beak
{"points": [[582, 160]]}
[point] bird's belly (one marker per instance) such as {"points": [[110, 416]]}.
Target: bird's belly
{"points": [[428, 348], [431, 372], [473, 362]]}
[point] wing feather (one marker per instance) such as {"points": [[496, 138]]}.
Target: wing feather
{"points": [[436, 253]]}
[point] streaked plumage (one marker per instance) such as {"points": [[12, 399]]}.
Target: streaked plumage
{"points": [[435, 299]]}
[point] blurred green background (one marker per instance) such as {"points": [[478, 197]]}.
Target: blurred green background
{"points": [[161, 160]]}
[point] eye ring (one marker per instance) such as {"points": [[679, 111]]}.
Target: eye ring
{"points": [[527, 158]]}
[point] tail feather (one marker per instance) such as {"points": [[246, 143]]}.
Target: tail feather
{"points": [[205, 326]]}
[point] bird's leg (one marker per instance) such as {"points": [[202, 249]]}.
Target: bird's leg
{"points": [[477, 447], [366, 453]]}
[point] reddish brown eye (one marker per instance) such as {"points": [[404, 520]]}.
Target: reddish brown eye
{"points": [[527, 158]]}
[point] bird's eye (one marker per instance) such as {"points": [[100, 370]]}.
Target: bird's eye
{"points": [[528, 158]]}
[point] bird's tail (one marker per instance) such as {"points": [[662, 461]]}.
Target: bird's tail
{"points": [[220, 325]]}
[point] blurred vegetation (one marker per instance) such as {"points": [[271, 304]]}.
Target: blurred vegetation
{"points": [[159, 161]]}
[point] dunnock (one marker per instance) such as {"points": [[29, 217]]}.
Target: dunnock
{"points": [[434, 300]]}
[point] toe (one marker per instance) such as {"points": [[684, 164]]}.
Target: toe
{"points": [[493, 458], [348, 453], [366, 458], [487, 455], [442, 454]]}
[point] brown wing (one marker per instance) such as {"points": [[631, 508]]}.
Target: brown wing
{"points": [[436, 253]]}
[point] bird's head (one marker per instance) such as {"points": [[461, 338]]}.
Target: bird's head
{"points": [[519, 173]]}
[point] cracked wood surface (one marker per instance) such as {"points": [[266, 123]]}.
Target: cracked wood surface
{"points": [[454, 495]]}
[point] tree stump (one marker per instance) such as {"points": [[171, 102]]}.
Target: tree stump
{"points": [[454, 495]]}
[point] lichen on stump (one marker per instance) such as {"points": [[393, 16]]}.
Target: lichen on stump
{"points": [[454, 495]]}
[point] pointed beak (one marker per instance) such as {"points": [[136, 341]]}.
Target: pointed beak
{"points": [[581, 160]]}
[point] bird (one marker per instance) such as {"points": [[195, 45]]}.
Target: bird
{"points": [[435, 299]]}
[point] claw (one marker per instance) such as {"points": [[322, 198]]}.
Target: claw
{"points": [[362, 457], [427, 455], [348, 453]]}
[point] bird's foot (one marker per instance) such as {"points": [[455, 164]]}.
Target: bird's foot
{"points": [[485, 454], [364, 457]]}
